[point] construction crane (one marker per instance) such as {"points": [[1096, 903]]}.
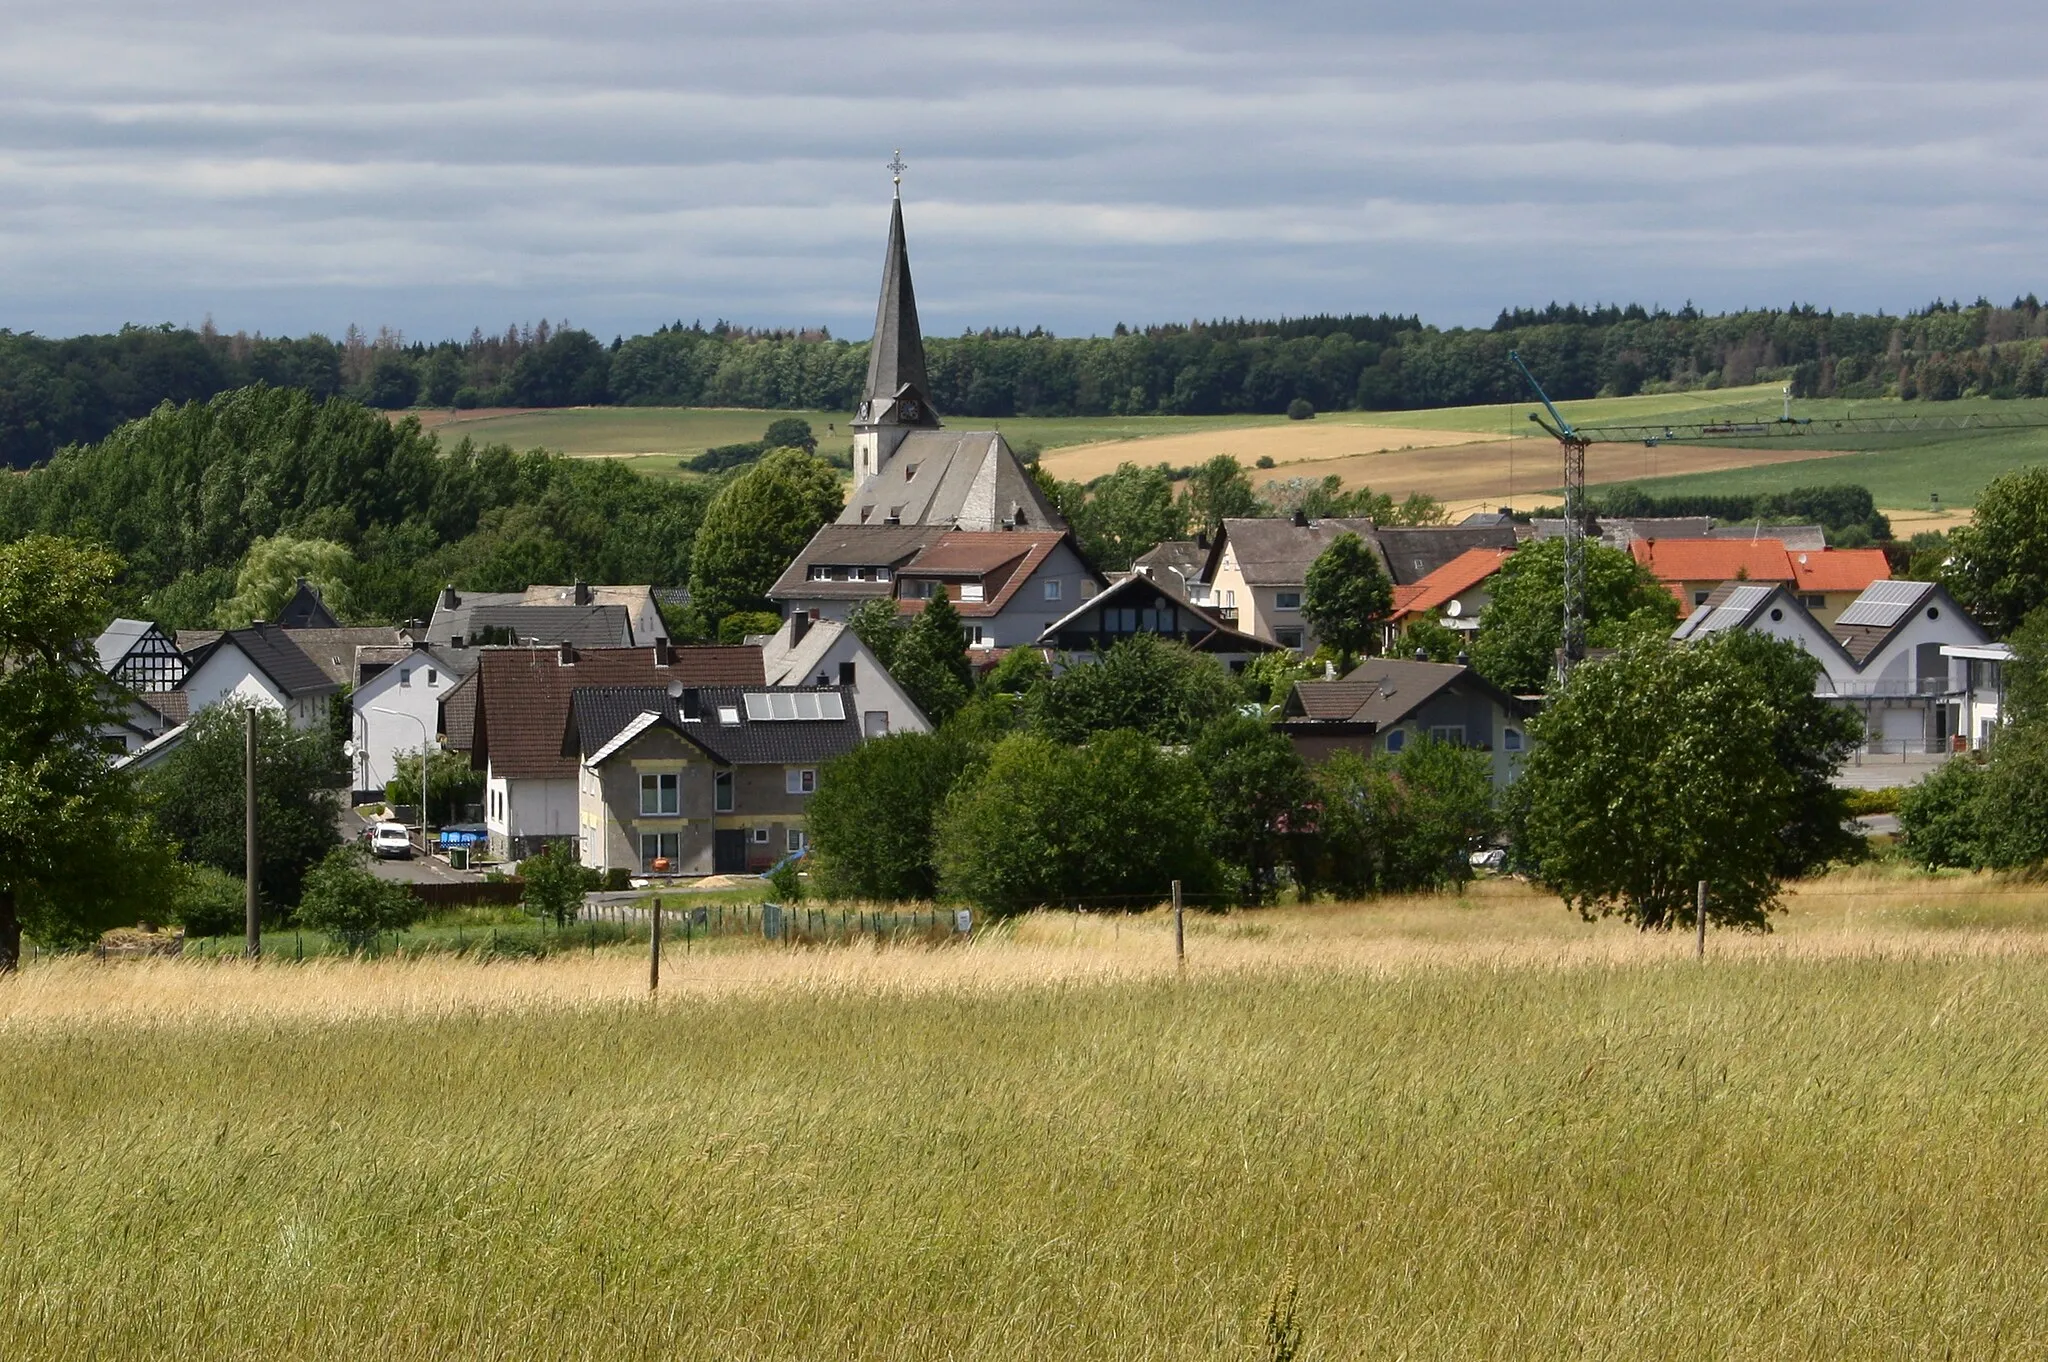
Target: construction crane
{"points": [[1575, 439]]}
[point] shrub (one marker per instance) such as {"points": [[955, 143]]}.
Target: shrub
{"points": [[873, 819], [1941, 818], [788, 882], [1301, 409], [1264, 461], [617, 880], [554, 882], [1863, 803], [350, 904], [208, 902], [736, 627]]}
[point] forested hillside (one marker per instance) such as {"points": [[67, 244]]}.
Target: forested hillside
{"points": [[184, 494], [56, 393]]}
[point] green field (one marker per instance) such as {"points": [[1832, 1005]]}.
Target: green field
{"points": [[1447, 1129], [1899, 470]]}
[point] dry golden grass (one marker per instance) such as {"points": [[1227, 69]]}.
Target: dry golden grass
{"points": [[1462, 1128], [1297, 442]]}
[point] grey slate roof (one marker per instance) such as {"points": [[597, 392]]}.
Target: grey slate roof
{"points": [[586, 626], [1274, 551], [271, 649], [1181, 557], [954, 479], [454, 610], [305, 610], [334, 650], [118, 639], [597, 714], [1383, 691]]}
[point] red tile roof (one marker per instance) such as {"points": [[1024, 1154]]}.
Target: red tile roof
{"points": [[1840, 569], [1714, 560], [1453, 579], [1004, 559], [523, 696]]}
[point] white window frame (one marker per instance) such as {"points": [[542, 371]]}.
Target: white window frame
{"points": [[724, 792], [796, 839], [761, 835], [1286, 600], [800, 780], [1454, 734], [1511, 739], [659, 789], [1280, 636], [1052, 588]]}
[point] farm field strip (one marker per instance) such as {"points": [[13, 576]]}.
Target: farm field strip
{"points": [[1822, 1144]]}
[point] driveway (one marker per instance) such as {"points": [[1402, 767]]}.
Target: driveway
{"points": [[1888, 772], [415, 869]]}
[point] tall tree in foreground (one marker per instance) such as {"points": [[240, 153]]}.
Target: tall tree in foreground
{"points": [[874, 818], [931, 663], [1258, 786], [1654, 770], [1346, 596], [1219, 490], [1998, 563], [77, 852]]}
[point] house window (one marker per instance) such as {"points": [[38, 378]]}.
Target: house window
{"points": [[433, 677], [761, 835], [972, 591], [1159, 621], [846, 674], [728, 714], [1287, 600], [875, 723], [721, 792], [1511, 739], [666, 847], [796, 839], [1287, 638], [1814, 602], [1454, 734], [405, 676], [1699, 597], [974, 636], [800, 780], [660, 794], [1397, 740], [1052, 590]]}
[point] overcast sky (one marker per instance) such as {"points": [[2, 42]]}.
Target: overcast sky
{"points": [[292, 167]]}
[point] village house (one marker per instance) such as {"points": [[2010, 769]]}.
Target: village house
{"points": [[807, 652], [1257, 569], [580, 614], [1826, 580], [1453, 595], [1903, 655], [260, 663], [397, 706], [521, 711], [1141, 604], [1385, 703], [688, 780], [138, 656]]}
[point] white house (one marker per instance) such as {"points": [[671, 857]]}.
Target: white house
{"points": [[259, 664], [399, 707], [807, 652]]}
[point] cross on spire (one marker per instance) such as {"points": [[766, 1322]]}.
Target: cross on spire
{"points": [[896, 167]]}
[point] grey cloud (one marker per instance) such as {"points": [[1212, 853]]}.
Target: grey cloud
{"points": [[432, 166]]}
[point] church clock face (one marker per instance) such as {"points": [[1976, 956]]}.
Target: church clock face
{"points": [[909, 410], [866, 410]]}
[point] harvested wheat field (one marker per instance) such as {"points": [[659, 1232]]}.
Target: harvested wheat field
{"points": [[1294, 442], [1467, 1127]]}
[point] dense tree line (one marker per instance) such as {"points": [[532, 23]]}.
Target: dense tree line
{"points": [[59, 392], [208, 501]]}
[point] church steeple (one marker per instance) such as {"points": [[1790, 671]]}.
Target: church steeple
{"points": [[896, 399]]}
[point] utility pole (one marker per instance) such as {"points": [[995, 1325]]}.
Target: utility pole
{"points": [[1699, 949], [252, 918], [1180, 940], [654, 952]]}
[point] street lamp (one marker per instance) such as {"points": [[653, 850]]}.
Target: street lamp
{"points": [[425, 743]]}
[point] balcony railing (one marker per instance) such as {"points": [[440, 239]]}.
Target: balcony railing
{"points": [[1928, 686]]}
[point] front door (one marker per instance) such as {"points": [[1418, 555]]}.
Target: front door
{"points": [[729, 851]]}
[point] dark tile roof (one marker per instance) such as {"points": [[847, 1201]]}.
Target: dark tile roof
{"points": [[871, 546], [1181, 557], [1383, 691], [1208, 632], [271, 649], [522, 704], [585, 626], [174, 705], [305, 610], [598, 714], [334, 650], [1413, 552], [1274, 551]]}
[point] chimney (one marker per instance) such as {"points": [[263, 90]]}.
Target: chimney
{"points": [[1464, 658], [1202, 540], [1422, 654], [449, 600], [581, 592], [1300, 520], [664, 652], [568, 654], [799, 625], [691, 701]]}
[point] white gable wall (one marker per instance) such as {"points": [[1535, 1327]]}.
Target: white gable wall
{"points": [[413, 687]]}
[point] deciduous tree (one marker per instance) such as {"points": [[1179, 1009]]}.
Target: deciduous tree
{"points": [[1166, 691], [1258, 786], [1523, 625], [873, 821], [752, 529], [1347, 595]]}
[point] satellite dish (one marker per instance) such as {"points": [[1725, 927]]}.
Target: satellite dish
{"points": [[1455, 609], [675, 690], [348, 748]]}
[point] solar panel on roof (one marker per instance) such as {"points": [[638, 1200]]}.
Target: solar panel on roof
{"points": [[795, 705], [757, 708], [1884, 604]]}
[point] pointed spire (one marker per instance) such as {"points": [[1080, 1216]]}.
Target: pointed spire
{"points": [[896, 354]]}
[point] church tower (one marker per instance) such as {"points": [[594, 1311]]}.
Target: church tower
{"points": [[897, 398]]}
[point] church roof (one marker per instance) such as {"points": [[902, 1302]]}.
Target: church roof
{"points": [[958, 479], [896, 354]]}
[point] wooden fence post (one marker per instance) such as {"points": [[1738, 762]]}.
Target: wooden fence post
{"points": [[654, 952], [1700, 916], [1180, 940]]}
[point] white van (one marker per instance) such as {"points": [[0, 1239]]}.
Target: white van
{"points": [[390, 840]]}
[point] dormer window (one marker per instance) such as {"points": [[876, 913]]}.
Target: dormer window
{"points": [[909, 471], [971, 591]]}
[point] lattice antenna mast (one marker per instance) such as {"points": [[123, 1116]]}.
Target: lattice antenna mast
{"points": [[1574, 650]]}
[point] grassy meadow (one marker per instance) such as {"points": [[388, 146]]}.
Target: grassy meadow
{"points": [[1463, 1127]]}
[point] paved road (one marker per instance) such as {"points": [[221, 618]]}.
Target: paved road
{"points": [[416, 869], [1887, 772]]}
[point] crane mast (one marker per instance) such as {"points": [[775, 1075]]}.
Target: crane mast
{"points": [[1573, 650]]}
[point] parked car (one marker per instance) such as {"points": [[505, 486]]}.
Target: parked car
{"points": [[1493, 858], [390, 841]]}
